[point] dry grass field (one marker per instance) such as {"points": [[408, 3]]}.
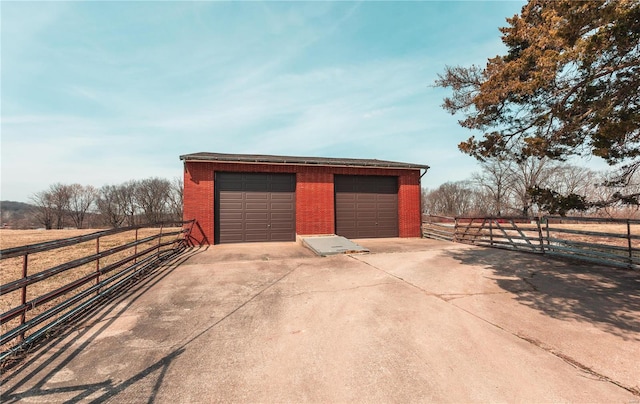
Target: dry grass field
{"points": [[11, 268], [612, 228], [16, 238]]}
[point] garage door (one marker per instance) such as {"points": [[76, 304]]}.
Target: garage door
{"points": [[255, 207], [366, 206]]}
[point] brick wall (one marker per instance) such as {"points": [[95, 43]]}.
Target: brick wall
{"points": [[198, 200], [315, 213], [409, 206]]}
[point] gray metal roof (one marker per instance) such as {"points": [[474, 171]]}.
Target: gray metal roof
{"points": [[307, 161]]}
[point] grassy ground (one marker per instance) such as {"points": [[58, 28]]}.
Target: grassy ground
{"points": [[16, 238], [613, 228]]}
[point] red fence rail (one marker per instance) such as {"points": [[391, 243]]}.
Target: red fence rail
{"points": [[30, 318]]}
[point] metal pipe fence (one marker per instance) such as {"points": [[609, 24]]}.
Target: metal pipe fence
{"points": [[37, 301], [614, 242]]}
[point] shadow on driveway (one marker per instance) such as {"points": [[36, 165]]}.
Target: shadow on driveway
{"points": [[70, 342], [608, 298]]}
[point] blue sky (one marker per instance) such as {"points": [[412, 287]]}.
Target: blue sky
{"points": [[103, 92]]}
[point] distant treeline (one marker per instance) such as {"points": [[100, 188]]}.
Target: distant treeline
{"points": [[532, 187], [134, 202]]}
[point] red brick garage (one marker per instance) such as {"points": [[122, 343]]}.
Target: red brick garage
{"points": [[246, 198]]}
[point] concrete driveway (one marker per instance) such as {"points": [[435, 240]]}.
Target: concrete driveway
{"points": [[413, 321]]}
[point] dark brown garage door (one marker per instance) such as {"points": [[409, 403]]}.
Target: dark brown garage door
{"points": [[366, 206], [255, 207]]}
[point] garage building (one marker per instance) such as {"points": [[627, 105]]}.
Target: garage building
{"points": [[238, 198]]}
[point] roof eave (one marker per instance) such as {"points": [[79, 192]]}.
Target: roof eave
{"points": [[303, 163]]}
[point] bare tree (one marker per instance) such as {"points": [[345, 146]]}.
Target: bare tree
{"points": [[496, 180], [155, 199], [109, 207], [126, 197], [454, 199], [60, 197], [152, 195], [175, 198], [43, 208], [81, 198], [570, 179], [609, 203], [527, 174]]}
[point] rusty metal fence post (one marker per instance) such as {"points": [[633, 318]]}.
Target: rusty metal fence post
{"points": [[23, 316], [135, 248], [98, 264], [160, 238]]}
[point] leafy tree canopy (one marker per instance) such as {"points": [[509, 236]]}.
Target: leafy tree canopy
{"points": [[568, 85], [555, 203]]}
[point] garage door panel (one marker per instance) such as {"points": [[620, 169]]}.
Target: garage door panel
{"points": [[231, 226], [253, 204], [345, 205], [281, 196], [387, 210], [232, 204], [366, 206], [280, 236], [281, 226], [386, 222], [234, 215], [386, 218], [366, 216], [227, 209], [281, 206], [351, 215], [387, 189], [263, 196], [230, 188], [389, 233], [256, 226], [233, 237], [281, 216], [255, 207], [231, 195], [257, 216], [283, 187], [253, 237], [391, 198]]}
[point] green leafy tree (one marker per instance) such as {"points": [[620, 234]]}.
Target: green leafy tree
{"points": [[555, 203], [569, 84]]}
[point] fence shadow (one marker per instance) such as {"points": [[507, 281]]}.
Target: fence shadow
{"points": [[61, 349], [602, 296]]}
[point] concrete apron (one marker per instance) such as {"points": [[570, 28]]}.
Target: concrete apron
{"points": [[422, 321]]}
